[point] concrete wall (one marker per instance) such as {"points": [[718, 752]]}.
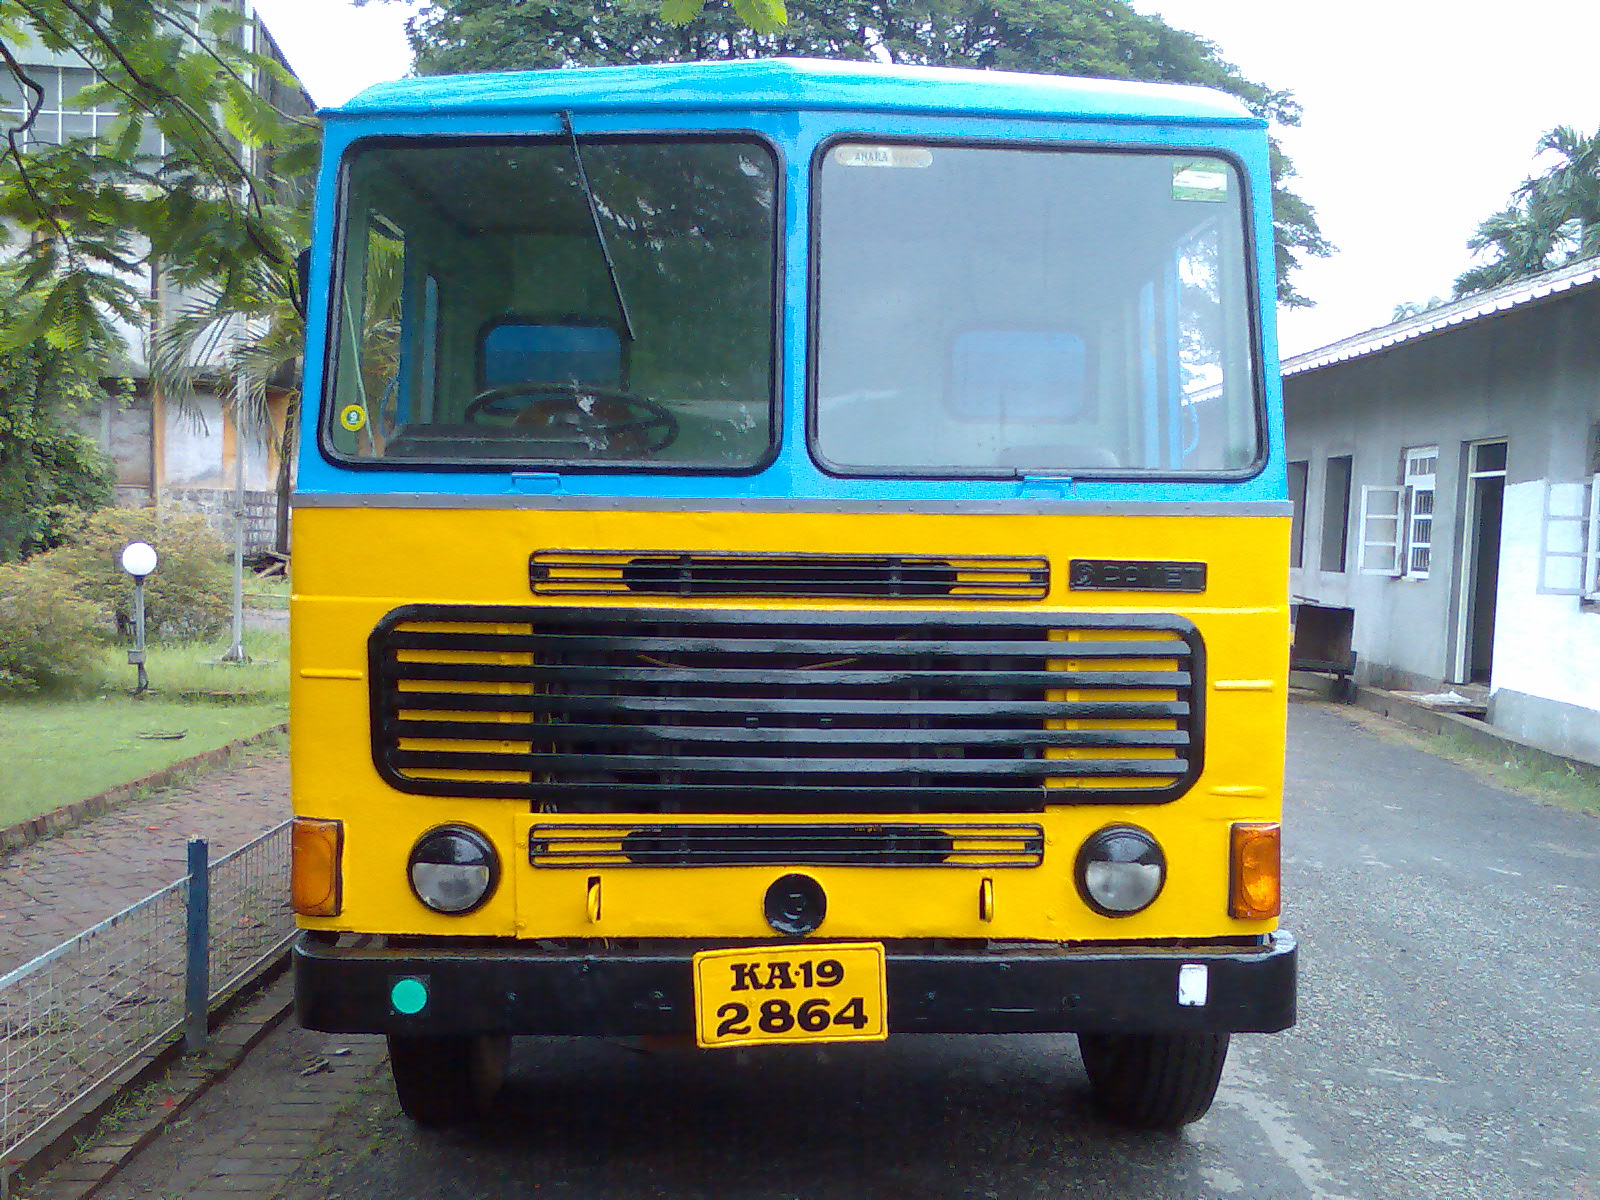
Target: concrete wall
{"points": [[1530, 376]]}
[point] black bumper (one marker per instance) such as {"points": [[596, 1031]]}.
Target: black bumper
{"points": [[601, 992]]}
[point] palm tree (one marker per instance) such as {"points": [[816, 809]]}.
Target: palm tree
{"points": [[1553, 218]]}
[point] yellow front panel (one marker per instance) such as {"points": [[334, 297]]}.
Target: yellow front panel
{"points": [[354, 566]]}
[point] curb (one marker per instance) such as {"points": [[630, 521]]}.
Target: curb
{"points": [[61, 1171], [26, 833], [1483, 736], [1480, 734]]}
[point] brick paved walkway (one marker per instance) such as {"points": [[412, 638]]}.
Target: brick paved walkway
{"points": [[244, 1139], [64, 884]]}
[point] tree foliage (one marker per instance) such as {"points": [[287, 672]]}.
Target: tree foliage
{"points": [[85, 219], [48, 470], [1099, 38], [1553, 218]]}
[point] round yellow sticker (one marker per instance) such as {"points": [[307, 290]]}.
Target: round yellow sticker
{"points": [[353, 417]]}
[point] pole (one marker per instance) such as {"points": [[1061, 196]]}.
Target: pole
{"points": [[197, 959], [236, 652], [136, 656]]}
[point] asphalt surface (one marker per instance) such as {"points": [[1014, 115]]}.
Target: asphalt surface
{"points": [[1448, 1047]]}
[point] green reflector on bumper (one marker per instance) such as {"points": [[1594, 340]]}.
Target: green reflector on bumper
{"points": [[409, 996]]}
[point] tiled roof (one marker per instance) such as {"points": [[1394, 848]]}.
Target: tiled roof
{"points": [[1576, 275]]}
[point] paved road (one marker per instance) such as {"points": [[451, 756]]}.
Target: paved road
{"points": [[1449, 1048]]}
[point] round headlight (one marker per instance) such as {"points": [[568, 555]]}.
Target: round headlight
{"points": [[453, 869], [1120, 871]]}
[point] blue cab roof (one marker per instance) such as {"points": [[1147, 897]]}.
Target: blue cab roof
{"points": [[799, 84]]}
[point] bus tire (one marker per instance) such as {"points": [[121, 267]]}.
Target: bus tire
{"points": [[444, 1081], [1153, 1080]]}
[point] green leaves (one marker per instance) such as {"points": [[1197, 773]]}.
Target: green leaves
{"points": [[764, 16], [1552, 219], [1102, 38], [204, 207]]}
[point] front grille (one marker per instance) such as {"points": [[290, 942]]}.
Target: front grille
{"points": [[986, 846], [882, 577], [609, 710]]}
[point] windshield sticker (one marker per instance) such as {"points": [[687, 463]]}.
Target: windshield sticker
{"points": [[1200, 179], [883, 156], [353, 418]]}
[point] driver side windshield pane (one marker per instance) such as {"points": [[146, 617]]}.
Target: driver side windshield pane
{"points": [[507, 302]]}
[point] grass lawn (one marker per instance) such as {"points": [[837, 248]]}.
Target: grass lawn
{"points": [[58, 749]]}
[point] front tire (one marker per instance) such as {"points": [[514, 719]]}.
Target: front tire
{"points": [[1154, 1080], [444, 1081]]}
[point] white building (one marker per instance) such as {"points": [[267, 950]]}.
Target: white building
{"points": [[1445, 472]]}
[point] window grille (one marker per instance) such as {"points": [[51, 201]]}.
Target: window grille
{"points": [[1421, 472], [61, 117]]}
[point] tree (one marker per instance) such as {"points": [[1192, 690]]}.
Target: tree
{"points": [[92, 220], [1106, 39], [49, 472], [1552, 219]]}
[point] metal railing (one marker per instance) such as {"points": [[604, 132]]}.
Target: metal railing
{"points": [[80, 1014]]}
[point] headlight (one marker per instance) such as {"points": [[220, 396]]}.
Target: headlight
{"points": [[1120, 871], [453, 869]]}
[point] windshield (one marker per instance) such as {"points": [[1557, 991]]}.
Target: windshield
{"points": [[1014, 311], [601, 304]]}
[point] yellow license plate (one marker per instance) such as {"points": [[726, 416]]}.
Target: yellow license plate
{"points": [[780, 995]]}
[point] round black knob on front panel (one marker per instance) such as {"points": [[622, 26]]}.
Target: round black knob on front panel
{"points": [[795, 905]]}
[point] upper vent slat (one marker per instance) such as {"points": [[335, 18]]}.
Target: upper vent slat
{"points": [[709, 573]]}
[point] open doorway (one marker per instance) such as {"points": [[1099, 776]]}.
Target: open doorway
{"points": [[1480, 563]]}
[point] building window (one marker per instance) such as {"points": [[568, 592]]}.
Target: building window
{"points": [[60, 117], [1422, 466], [1591, 546], [1336, 514], [1297, 521], [1569, 539], [1397, 522]]}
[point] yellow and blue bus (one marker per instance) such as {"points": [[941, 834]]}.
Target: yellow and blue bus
{"points": [[791, 552]]}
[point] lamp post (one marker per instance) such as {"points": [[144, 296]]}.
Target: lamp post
{"points": [[138, 560]]}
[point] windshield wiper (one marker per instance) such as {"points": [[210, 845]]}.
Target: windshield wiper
{"points": [[599, 230]]}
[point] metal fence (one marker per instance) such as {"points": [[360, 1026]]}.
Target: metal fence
{"points": [[79, 1014]]}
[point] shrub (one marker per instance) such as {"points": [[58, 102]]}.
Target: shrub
{"points": [[48, 633], [187, 596]]}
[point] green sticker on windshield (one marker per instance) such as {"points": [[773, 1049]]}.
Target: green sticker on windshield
{"points": [[1200, 179]]}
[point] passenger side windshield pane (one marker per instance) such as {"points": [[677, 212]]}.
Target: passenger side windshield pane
{"points": [[1006, 311], [493, 309]]}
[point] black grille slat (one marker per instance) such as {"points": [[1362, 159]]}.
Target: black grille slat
{"points": [[606, 702], [742, 798], [820, 677], [692, 845], [558, 643], [1024, 768], [620, 709], [497, 731]]}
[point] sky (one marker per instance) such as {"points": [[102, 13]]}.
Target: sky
{"points": [[1420, 118]]}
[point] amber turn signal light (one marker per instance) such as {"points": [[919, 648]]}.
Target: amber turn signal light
{"points": [[1254, 893], [316, 854]]}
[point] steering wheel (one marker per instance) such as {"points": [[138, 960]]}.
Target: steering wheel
{"points": [[598, 416]]}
